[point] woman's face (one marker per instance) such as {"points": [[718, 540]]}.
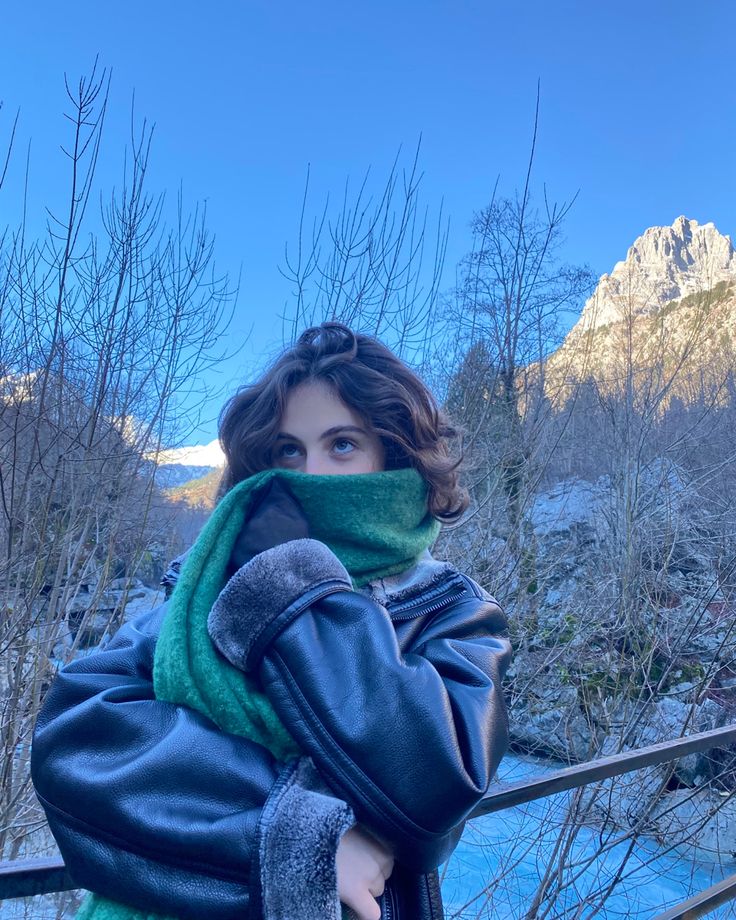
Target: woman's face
{"points": [[320, 434]]}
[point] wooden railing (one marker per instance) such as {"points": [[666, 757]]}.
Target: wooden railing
{"points": [[24, 878]]}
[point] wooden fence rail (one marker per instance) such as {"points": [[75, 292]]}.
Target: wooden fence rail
{"points": [[24, 878]]}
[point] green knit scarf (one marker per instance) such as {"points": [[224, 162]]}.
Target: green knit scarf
{"points": [[377, 524]]}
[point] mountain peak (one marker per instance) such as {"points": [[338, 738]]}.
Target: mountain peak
{"points": [[663, 264]]}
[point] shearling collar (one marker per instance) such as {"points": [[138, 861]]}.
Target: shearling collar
{"points": [[423, 575]]}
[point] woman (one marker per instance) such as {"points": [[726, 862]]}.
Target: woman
{"points": [[315, 711]]}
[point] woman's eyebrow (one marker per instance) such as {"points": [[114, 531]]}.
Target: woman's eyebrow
{"points": [[339, 428], [325, 434]]}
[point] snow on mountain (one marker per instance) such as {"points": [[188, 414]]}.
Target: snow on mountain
{"points": [[199, 455]]}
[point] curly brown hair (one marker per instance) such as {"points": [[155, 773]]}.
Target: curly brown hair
{"points": [[374, 383]]}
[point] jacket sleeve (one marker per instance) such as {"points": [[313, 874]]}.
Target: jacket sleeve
{"points": [[151, 804], [410, 739]]}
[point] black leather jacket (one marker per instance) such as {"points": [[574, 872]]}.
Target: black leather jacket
{"points": [[152, 803]]}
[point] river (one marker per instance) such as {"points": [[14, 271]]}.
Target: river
{"points": [[518, 843]]}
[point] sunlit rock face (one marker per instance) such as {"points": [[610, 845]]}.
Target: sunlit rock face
{"points": [[666, 316], [664, 264]]}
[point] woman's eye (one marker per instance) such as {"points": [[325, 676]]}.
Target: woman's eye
{"points": [[343, 446], [288, 451]]}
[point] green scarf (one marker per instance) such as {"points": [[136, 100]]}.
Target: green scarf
{"points": [[377, 524]]}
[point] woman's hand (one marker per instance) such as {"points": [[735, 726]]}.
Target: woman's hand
{"points": [[363, 865], [274, 517]]}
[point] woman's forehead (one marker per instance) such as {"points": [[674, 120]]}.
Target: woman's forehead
{"points": [[316, 405]]}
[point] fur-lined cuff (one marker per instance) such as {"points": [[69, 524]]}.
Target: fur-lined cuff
{"points": [[300, 831], [265, 594]]}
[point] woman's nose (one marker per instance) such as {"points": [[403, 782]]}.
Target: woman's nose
{"points": [[316, 464]]}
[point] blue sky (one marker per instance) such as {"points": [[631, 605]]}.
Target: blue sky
{"points": [[638, 115]]}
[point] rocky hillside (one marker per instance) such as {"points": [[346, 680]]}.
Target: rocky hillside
{"points": [[670, 305], [588, 682], [198, 492]]}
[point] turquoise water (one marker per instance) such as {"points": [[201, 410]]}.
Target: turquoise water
{"points": [[518, 844]]}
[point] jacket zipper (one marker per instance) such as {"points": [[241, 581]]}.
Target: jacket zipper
{"points": [[390, 911], [388, 904], [418, 608]]}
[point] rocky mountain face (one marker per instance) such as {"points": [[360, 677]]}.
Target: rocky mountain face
{"points": [[199, 455], [663, 265], [669, 306]]}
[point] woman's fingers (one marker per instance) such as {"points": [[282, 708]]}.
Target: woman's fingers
{"points": [[383, 853], [363, 865], [377, 887], [384, 861], [366, 907], [387, 864]]}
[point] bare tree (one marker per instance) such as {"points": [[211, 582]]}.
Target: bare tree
{"points": [[107, 323], [364, 265], [505, 318]]}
